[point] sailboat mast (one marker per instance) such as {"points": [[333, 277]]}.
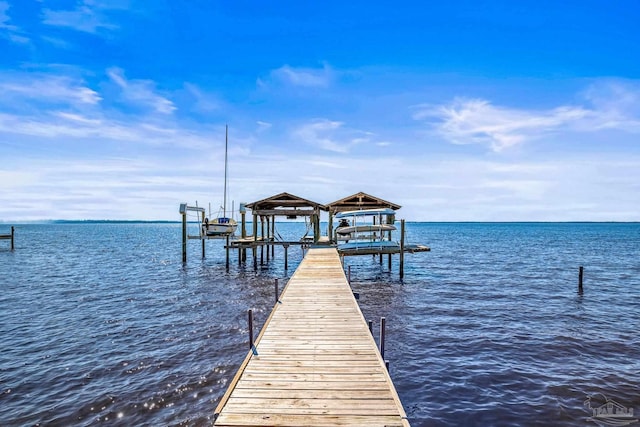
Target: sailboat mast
{"points": [[226, 142]]}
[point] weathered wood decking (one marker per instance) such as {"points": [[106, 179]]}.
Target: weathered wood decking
{"points": [[316, 363]]}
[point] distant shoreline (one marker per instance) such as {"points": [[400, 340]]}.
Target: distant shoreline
{"points": [[140, 221]]}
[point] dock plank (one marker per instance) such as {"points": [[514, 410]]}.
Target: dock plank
{"points": [[316, 363]]}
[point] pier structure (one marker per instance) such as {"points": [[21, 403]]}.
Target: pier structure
{"points": [[10, 236], [359, 201], [315, 362], [264, 213], [264, 234]]}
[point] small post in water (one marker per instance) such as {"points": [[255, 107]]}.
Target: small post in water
{"points": [[227, 249], [276, 291], [580, 275], [382, 336], [286, 257], [12, 237], [250, 328], [349, 274], [370, 326]]}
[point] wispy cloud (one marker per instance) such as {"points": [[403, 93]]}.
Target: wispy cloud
{"points": [[301, 77], [9, 31], [607, 105], [263, 126], [61, 124], [38, 88], [477, 121], [89, 16], [333, 136], [141, 92], [321, 133], [202, 102]]}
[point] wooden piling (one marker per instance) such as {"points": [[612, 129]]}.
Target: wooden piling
{"points": [[273, 236], [286, 257], [383, 321], [250, 313], [255, 258], [277, 291], [401, 248], [262, 236], [226, 248], [184, 237], [580, 277], [203, 240]]}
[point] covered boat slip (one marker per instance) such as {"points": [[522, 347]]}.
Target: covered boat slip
{"points": [[315, 362]]}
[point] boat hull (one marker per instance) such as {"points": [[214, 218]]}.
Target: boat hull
{"points": [[220, 227], [367, 246]]}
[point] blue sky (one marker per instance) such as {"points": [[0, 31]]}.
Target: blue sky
{"points": [[458, 111]]}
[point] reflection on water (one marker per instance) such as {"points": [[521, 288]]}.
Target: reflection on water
{"points": [[102, 323]]}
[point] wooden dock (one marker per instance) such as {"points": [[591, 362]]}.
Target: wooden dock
{"points": [[315, 362]]}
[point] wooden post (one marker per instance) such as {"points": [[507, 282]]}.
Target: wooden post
{"points": [[227, 251], [349, 274], [401, 248], [255, 258], [262, 236], [243, 232], [370, 322], [580, 276], [184, 237], [330, 228], [383, 321], [268, 240], [12, 237], [239, 256], [250, 328], [389, 262], [273, 236], [286, 257], [255, 227], [277, 292], [203, 240]]}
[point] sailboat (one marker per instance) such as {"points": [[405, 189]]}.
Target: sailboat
{"points": [[223, 225]]}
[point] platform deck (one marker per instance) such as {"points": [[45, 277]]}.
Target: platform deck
{"points": [[315, 362]]}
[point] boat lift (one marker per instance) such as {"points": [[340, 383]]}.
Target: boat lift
{"points": [[200, 214]]}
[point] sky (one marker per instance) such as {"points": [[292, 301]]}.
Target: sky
{"points": [[457, 110]]}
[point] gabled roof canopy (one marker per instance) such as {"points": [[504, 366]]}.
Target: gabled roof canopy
{"points": [[285, 204], [360, 201]]}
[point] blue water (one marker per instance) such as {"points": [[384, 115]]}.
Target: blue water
{"points": [[104, 324]]}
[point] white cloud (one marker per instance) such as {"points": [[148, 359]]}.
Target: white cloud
{"points": [[7, 30], [62, 124], [333, 136], [202, 102], [89, 16], [320, 133], [263, 126], [302, 77], [53, 89], [608, 105], [472, 121], [141, 92]]}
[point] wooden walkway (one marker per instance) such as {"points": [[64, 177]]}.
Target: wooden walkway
{"points": [[315, 361]]}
